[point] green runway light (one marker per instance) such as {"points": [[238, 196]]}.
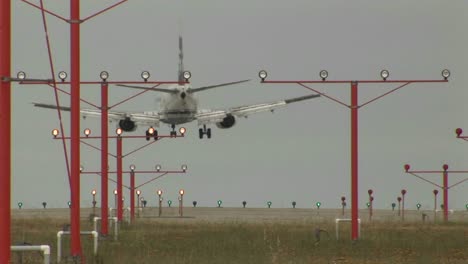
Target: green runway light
{"points": [[219, 203], [318, 204], [393, 206], [418, 206], [269, 204], [69, 204], [20, 204], [368, 204], [169, 202]]}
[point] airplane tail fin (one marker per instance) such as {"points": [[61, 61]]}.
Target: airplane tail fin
{"points": [[181, 62]]}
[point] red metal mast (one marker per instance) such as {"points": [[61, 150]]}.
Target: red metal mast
{"points": [[5, 132], [354, 107], [104, 158], [75, 127]]}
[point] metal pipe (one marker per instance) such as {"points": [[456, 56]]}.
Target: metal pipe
{"points": [[354, 161], [104, 158], [116, 227], [59, 241], [44, 248], [5, 132], [75, 127], [338, 220]]}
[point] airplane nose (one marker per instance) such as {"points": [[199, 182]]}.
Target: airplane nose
{"points": [[182, 95]]}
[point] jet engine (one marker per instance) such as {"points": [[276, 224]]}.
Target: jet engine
{"points": [[127, 125], [228, 122]]}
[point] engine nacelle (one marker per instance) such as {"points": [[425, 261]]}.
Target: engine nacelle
{"points": [[228, 122], [127, 125]]}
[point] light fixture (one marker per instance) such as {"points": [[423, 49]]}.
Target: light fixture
{"points": [[132, 167], [323, 74], [182, 130], [262, 74], [93, 192], [81, 168], [115, 191], [384, 74], [445, 74], [184, 167], [55, 133], [151, 130], [104, 75], [145, 75], [159, 192], [181, 192], [118, 131], [138, 192], [158, 167], [187, 75], [87, 132], [62, 75], [21, 75]]}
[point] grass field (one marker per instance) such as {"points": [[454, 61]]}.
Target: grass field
{"points": [[173, 241]]}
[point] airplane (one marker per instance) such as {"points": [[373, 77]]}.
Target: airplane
{"points": [[180, 106]]}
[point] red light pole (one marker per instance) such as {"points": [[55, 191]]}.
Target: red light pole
{"points": [[371, 198], [445, 187], [343, 204], [132, 193], [5, 132], [104, 154], [403, 192], [354, 107], [119, 203], [435, 204], [399, 205]]}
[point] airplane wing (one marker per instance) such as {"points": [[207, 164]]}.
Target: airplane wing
{"points": [[199, 89], [205, 117], [148, 88], [149, 118]]}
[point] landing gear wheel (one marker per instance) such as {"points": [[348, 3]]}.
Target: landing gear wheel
{"points": [[208, 132], [200, 133]]}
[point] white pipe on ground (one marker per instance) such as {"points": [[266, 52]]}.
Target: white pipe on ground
{"points": [[116, 228], [338, 220], [44, 248], [59, 241]]}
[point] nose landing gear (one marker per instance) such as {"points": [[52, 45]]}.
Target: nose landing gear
{"points": [[204, 131]]}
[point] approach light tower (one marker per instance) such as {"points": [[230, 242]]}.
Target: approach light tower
{"points": [[354, 107]]}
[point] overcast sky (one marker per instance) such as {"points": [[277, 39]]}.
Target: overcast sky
{"points": [[300, 153]]}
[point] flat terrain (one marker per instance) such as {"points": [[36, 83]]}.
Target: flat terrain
{"points": [[253, 235]]}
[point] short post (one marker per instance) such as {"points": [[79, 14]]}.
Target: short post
{"points": [[160, 202], [181, 202], [343, 204], [435, 204], [403, 192]]}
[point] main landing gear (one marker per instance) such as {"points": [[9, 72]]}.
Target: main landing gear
{"points": [[173, 132], [204, 131]]}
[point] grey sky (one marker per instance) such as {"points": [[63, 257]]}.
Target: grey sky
{"points": [[300, 153]]}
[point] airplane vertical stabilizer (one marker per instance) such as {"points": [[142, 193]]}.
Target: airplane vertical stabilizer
{"points": [[181, 62]]}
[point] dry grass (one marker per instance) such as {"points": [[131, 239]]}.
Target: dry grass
{"points": [[155, 241]]}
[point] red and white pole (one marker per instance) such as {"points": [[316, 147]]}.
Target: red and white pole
{"points": [[75, 127], [354, 161], [5, 132], [104, 159]]}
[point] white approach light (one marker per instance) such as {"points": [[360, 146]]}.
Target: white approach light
{"points": [[158, 167], [87, 132], [182, 130], [384, 74], [62, 75], [445, 74], [145, 75], [187, 75], [262, 74], [184, 167], [132, 167], [21, 75], [323, 74], [104, 75], [118, 131], [55, 133]]}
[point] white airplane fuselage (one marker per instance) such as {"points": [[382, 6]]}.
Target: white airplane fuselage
{"points": [[178, 108]]}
